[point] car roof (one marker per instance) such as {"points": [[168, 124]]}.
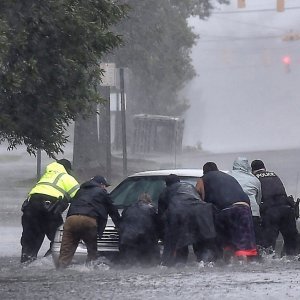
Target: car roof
{"points": [[165, 172]]}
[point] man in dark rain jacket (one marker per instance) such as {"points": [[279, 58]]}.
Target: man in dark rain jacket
{"points": [[87, 217], [186, 219], [139, 232], [276, 209], [234, 223]]}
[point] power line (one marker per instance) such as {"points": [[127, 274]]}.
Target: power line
{"points": [[208, 38], [255, 66], [230, 39], [252, 24], [244, 49], [251, 11]]}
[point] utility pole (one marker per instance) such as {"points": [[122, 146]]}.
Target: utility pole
{"points": [[287, 63], [38, 164], [123, 117], [108, 80], [104, 131]]}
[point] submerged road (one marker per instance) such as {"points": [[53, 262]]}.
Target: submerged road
{"points": [[273, 278]]}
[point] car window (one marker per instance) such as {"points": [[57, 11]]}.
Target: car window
{"points": [[128, 191], [191, 180]]}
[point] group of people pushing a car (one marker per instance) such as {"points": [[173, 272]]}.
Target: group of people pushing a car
{"points": [[237, 215]]}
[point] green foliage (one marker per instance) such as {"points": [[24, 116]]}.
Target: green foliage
{"points": [[157, 48], [49, 66]]}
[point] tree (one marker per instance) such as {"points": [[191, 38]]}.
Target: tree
{"points": [[49, 66], [157, 47]]}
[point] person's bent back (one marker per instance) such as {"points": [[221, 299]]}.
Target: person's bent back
{"points": [[187, 220], [87, 217], [139, 229], [233, 218]]}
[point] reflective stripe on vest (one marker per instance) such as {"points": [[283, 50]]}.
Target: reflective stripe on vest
{"points": [[55, 186], [73, 189]]}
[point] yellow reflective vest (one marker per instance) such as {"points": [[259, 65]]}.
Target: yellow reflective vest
{"points": [[56, 182]]}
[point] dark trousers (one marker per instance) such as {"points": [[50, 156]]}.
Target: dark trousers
{"points": [[76, 228], [37, 222], [172, 256], [140, 251], [258, 230], [207, 251], [235, 230], [280, 219]]}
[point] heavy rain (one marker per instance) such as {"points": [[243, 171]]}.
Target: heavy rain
{"points": [[242, 102]]}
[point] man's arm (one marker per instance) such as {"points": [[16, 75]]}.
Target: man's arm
{"points": [[112, 211], [258, 194], [200, 188]]}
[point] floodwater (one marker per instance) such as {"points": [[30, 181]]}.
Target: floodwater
{"points": [[272, 278]]}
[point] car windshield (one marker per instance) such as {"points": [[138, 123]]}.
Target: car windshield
{"points": [[128, 191]]}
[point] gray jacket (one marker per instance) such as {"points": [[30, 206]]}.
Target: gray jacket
{"points": [[241, 171]]}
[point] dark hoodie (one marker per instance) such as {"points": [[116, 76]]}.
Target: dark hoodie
{"points": [[92, 200], [139, 222], [187, 219]]}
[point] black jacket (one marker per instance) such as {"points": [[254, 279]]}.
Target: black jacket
{"points": [[186, 218], [272, 189], [93, 201], [139, 222], [223, 190]]}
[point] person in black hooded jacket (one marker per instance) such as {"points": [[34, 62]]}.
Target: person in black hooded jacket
{"points": [[186, 220], [139, 232], [87, 217]]}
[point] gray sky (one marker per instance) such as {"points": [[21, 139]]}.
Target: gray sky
{"points": [[243, 98]]}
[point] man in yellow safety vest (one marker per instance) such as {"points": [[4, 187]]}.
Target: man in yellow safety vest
{"points": [[42, 210]]}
